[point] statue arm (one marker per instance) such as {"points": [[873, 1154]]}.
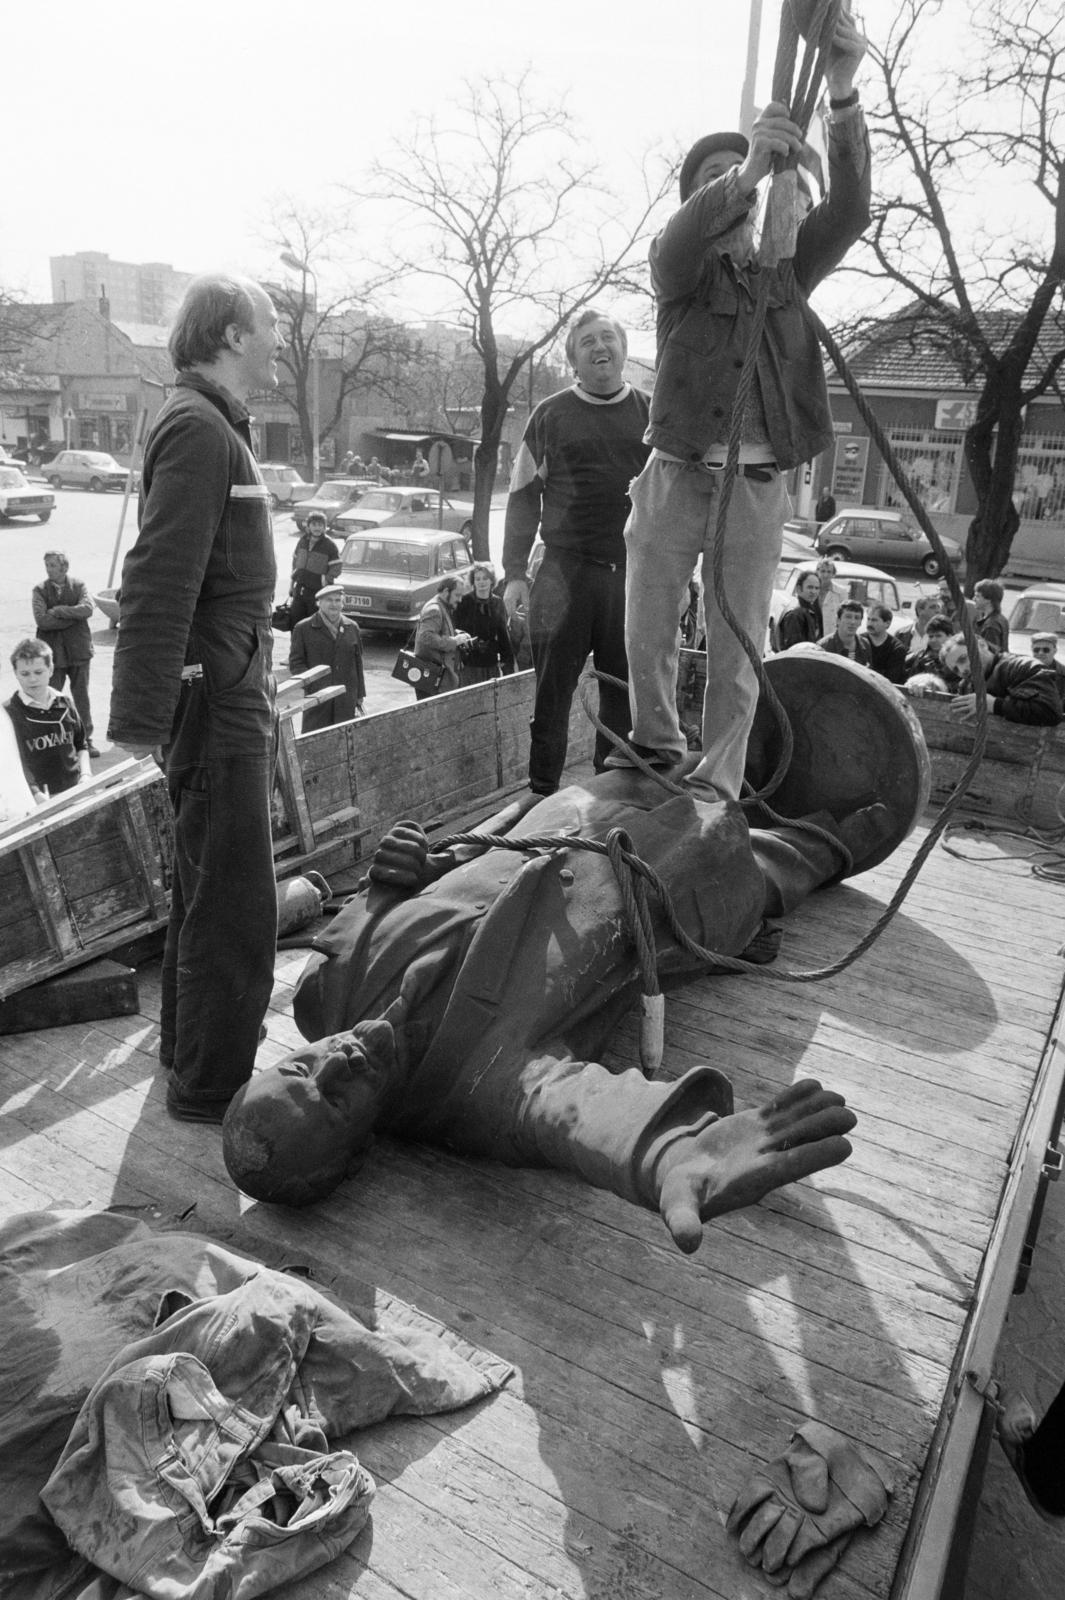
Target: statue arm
{"points": [[678, 1148]]}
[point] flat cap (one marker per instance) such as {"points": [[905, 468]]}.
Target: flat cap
{"points": [[708, 145]]}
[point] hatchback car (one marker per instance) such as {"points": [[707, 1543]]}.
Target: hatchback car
{"points": [[21, 499], [331, 498], [413, 508], [388, 574], [1038, 609], [284, 483], [86, 469], [866, 533]]}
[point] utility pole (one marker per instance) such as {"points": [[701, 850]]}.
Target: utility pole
{"points": [[754, 33], [289, 259]]}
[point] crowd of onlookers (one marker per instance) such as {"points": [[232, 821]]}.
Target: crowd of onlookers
{"points": [[353, 466], [930, 655]]}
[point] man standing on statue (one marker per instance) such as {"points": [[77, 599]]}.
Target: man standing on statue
{"points": [[705, 273]]}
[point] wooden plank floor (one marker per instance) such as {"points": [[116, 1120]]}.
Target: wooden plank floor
{"points": [[648, 1385]]}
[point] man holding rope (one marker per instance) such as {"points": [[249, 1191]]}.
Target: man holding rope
{"points": [[707, 279]]}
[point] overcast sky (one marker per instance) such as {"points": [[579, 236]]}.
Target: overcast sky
{"points": [[165, 134]]}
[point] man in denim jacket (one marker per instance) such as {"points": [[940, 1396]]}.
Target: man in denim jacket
{"points": [[193, 687], [706, 276]]}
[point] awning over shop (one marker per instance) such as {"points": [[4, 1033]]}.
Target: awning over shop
{"points": [[413, 436]]}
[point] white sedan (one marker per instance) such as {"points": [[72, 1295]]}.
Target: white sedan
{"points": [[18, 498]]}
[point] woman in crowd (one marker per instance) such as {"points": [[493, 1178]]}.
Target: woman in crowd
{"points": [[436, 639], [483, 616]]}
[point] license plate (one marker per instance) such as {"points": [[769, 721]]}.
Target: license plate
{"points": [[362, 600]]}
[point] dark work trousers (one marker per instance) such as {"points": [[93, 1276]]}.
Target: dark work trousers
{"points": [[218, 964], [77, 675], [575, 606], [303, 604], [1044, 1458]]}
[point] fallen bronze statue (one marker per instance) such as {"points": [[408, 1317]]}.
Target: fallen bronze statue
{"points": [[461, 996]]}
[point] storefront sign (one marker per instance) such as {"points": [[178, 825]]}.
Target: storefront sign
{"points": [[101, 402], [848, 472], [955, 413]]}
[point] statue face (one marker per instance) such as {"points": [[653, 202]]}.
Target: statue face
{"points": [[295, 1131]]}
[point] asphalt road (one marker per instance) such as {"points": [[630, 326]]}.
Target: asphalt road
{"points": [[86, 527]]}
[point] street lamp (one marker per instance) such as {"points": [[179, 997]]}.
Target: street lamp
{"points": [[289, 259]]}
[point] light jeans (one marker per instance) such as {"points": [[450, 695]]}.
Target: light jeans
{"points": [[671, 529]]}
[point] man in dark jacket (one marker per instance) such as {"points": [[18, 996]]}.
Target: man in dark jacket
{"points": [[846, 640], [315, 560], [887, 655], [192, 678], [330, 639], [61, 609], [1019, 688], [706, 279], [801, 623]]}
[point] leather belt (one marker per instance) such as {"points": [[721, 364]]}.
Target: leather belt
{"points": [[759, 471]]}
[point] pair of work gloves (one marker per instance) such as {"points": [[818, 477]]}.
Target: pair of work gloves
{"points": [[795, 1517]]}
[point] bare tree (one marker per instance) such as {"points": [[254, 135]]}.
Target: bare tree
{"points": [[357, 349], [985, 296], [21, 323], [502, 212]]}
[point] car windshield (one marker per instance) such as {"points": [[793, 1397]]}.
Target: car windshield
{"points": [[98, 460], [333, 491], [380, 500], [1039, 614], [398, 556], [10, 479]]}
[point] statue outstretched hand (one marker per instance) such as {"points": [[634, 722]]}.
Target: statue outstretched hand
{"points": [[737, 1160]]}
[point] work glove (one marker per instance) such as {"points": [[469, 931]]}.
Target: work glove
{"points": [[400, 859], [795, 1515]]}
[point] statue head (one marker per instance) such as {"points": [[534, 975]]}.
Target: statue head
{"points": [[298, 1129]]}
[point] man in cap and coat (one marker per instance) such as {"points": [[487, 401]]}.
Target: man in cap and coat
{"points": [[706, 278]]}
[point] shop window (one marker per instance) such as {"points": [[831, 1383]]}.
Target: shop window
{"points": [[931, 460], [1039, 485]]}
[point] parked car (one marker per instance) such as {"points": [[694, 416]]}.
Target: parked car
{"points": [[797, 546], [87, 469], [866, 533], [867, 585], [37, 455], [21, 499], [1038, 609], [410, 507], [284, 483], [331, 498], [388, 574]]}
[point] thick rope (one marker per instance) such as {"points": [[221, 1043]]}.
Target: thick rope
{"points": [[633, 874]]}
